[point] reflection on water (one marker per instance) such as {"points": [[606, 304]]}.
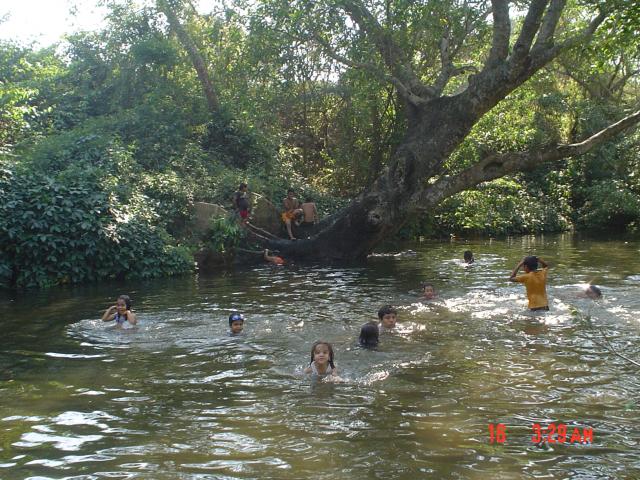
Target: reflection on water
{"points": [[178, 397]]}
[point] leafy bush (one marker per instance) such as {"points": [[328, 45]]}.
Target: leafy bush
{"points": [[611, 205], [224, 235], [71, 230], [499, 208], [232, 143]]}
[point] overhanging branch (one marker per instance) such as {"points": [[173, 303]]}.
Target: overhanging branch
{"points": [[498, 165]]}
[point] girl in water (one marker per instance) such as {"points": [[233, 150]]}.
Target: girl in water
{"points": [[121, 313], [321, 363]]}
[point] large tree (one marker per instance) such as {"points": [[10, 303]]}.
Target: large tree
{"points": [[440, 113]]}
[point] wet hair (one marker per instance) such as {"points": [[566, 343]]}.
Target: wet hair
{"points": [[236, 317], [308, 199], [468, 256], [531, 262], [313, 351], [386, 310], [424, 285], [290, 190], [242, 185], [369, 334], [127, 301], [596, 292]]}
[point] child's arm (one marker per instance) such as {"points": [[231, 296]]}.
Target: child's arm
{"points": [[109, 314], [307, 370], [543, 263], [131, 317], [515, 271]]}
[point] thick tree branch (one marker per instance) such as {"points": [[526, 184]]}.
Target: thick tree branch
{"points": [[449, 70], [530, 27], [620, 83], [501, 32], [549, 24], [498, 165], [543, 56]]}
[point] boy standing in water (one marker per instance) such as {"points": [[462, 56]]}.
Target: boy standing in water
{"points": [[534, 280]]}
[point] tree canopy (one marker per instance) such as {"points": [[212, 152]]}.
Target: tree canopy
{"points": [[399, 117]]}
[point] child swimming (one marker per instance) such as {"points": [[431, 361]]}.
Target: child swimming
{"points": [[593, 292], [275, 259], [236, 323], [388, 317], [369, 335], [428, 291], [121, 313], [468, 257], [321, 363]]}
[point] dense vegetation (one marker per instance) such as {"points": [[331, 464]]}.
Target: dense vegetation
{"points": [[106, 140]]}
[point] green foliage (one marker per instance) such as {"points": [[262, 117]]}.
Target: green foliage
{"points": [[232, 143], [501, 207], [71, 230], [224, 235], [611, 205]]}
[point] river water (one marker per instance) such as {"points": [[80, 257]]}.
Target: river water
{"points": [[177, 398]]}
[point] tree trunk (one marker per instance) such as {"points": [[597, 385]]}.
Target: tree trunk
{"points": [[382, 210], [400, 192], [194, 54]]}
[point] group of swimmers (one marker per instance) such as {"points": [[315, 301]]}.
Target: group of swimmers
{"points": [[322, 361]]}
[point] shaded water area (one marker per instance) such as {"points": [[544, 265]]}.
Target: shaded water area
{"points": [[177, 398]]}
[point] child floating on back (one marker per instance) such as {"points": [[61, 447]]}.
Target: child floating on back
{"points": [[321, 363], [534, 280], [121, 313], [236, 323]]}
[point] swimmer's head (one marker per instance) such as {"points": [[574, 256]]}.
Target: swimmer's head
{"points": [[322, 352], [428, 290], [530, 263], [236, 322], [593, 292], [123, 303], [468, 256], [388, 316], [369, 334]]}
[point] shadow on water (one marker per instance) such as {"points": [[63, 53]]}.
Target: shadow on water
{"points": [[178, 397]]}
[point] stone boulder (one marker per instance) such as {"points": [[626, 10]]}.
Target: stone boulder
{"points": [[203, 213], [265, 215]]}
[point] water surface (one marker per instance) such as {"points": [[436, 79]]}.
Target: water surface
{"points": [[180, 399]]}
